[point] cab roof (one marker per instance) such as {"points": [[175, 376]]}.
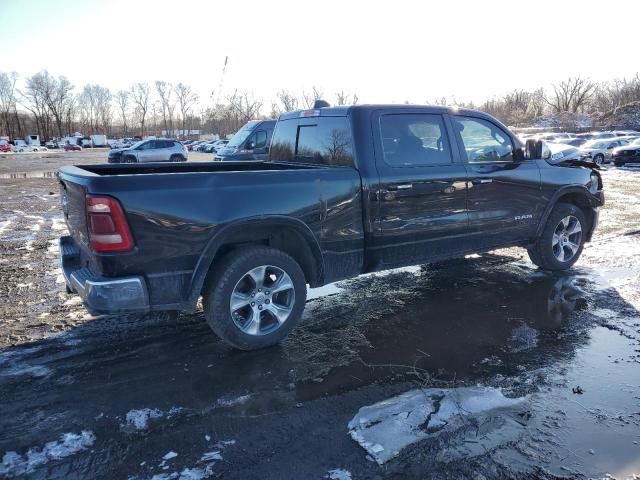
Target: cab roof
{"points": [[347, 110]]}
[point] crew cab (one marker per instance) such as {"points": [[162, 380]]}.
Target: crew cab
{"points": [[345, 191]]}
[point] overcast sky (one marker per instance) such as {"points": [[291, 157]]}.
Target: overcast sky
{"points": [[387, 51]]}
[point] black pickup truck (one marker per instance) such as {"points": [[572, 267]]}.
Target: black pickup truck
{"points": [[346, 190]]}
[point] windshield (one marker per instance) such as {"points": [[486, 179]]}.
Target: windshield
{"points": [[137, 144], [242, 134], [636, 142], [595, 144]]}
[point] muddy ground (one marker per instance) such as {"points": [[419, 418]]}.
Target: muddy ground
{"points": [[161, 397]]}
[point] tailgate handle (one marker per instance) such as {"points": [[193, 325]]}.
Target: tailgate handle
{"points": [[401, 186]]}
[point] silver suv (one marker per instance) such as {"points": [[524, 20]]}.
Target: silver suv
{"points": [[157, 150]]}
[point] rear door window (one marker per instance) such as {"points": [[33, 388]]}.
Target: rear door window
{"points": [[410, 139], [320, 140]]}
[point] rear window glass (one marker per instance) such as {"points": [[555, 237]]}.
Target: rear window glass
{"points": [[321, 140]]}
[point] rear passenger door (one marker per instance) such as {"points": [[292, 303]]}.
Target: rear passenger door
{"points": [[505, 201], [422, 211]]}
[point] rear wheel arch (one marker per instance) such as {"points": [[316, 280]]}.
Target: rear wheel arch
{"points": [[285, 234]]}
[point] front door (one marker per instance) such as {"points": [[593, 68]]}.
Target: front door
{"points": [[421, 194], [260, 144], [504, 195]]}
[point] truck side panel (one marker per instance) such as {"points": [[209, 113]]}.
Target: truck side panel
{"points": [[173, 217]]}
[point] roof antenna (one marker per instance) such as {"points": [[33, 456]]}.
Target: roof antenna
{"points": [[319, 103]]}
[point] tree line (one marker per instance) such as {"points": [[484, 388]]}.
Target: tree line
{"points": [[53, 107], [575, 95]]}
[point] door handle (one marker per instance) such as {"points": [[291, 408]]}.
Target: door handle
{"points": [[478, 181], [402, 186]]}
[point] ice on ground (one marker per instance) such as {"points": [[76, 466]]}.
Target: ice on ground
{"points": [[139, 419], [230, 402], [170, 455], [385, 428], [16, 465], [204, 470], [4, 225], [58, 224], [338, 474], [523, 338], [211, 456]]}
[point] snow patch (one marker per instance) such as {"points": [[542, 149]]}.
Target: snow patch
{"points": [[170, 455], [210, 456], [231, 402], [385, 428], [139, 419], [4, 225], [338, 474], [16, 465]]}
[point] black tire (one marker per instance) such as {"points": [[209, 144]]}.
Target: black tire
{"points": [[542, 252], [176, 158], [598, 159], [129, 159], [224, 279]]}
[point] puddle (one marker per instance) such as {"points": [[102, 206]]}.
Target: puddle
{"points": [[593, 433], [37, 174]]}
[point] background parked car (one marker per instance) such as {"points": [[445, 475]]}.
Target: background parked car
{"points": [[626, 154], [5, 147], [70, 147], [599, 151], [156, 150]]}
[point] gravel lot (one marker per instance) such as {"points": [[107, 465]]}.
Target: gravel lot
{"points": [[161, 397]]}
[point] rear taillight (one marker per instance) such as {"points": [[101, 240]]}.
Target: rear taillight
{"points": [[107, 226]]}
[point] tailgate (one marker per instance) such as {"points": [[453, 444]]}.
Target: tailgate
{"points": [[73, 207]]}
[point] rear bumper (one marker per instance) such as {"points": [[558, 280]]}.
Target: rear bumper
{"points": [[101, 295]]}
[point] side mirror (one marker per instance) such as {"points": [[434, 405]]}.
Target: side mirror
{"points": [[248, 145], [537, 150]]}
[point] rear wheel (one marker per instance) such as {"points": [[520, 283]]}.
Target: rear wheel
{"points": [[255, 297], [598, 159], [562, 239], [176, 158]]}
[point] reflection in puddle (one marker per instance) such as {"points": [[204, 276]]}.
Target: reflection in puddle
{"points": [[39, 174]]}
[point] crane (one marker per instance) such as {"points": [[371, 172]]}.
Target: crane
{"points": [[224, 69]]}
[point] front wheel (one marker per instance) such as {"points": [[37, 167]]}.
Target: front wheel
{"points": [[598, 159], [562, 239], [255, 297]]}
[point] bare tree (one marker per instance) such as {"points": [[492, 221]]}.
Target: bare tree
{"points": [[8, 102], [245, 106], [103, 106], [308, 99], [346, 99], [165, 91], [186, 100], [571, 95], [122, 99], [34, 99], [140, 95], [56, 93]]}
